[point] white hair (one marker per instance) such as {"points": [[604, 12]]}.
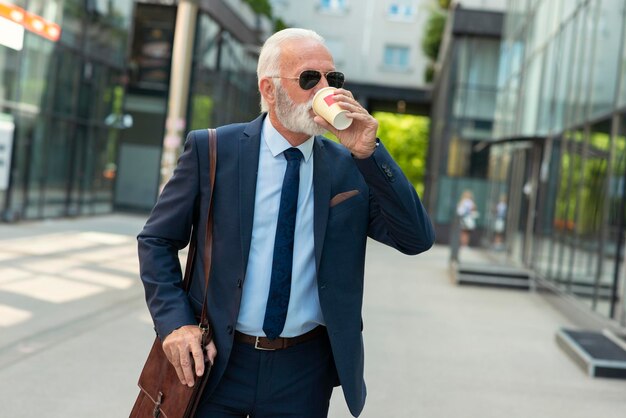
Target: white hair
{"points": [[269, 58]]}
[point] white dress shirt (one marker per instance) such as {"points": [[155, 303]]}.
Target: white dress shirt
{"points": [[304, 312]]}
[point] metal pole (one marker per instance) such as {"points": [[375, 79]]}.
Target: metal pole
{"points": [[182, 55]]}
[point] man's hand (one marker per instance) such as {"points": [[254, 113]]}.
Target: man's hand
{"points": [[360, 137], [183, 349]]}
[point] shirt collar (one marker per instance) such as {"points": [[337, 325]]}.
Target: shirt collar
{"points": [[277, 143]]}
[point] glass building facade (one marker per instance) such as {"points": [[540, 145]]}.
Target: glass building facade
{"points": [[560, 153], [82, 117], [462, 117], [62, 152]]}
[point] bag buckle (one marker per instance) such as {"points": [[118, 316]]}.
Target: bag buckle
{"points": [[157, 407], [256, 345]]}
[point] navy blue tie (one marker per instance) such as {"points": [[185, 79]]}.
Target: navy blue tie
{"points": [[280, 285]]}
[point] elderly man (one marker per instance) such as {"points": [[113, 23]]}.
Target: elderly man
{"points": [[286, 286]]}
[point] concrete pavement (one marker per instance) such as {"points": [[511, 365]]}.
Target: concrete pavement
{"points": [[74, 332]]}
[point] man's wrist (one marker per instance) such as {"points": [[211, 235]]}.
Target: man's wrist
{"points": [[362, 155]]}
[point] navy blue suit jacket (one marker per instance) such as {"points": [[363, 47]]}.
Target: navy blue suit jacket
{"points": [[382, 204]]}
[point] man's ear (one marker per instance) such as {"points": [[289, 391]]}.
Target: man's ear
{"points": [[267, 90]]}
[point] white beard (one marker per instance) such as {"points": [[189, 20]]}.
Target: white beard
{"points": [[295, 117]]}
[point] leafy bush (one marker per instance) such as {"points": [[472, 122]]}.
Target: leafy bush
{"points": [[406, 139]]}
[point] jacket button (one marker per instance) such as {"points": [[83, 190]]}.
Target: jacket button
{"points": [[323, 286], [229, 329], [239, 283]]}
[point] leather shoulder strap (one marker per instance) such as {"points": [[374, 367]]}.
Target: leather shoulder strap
{"points": [[208, 236]]}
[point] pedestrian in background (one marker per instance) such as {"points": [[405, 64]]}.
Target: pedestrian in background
{"points": [[286, 286], [467, 215], [499, 223]]}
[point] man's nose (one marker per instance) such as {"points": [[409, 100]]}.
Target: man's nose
{"points": [[323, 83]]}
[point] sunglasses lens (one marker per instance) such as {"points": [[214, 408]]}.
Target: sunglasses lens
{"points": [[335, 79], [309, 79]]}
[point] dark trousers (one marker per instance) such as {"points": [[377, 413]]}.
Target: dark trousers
{"points": [[295, 382]]}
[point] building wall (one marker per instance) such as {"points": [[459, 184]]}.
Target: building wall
{"points": [[561, 86], [373, 41]]}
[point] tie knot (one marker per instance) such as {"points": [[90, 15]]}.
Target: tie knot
{"points": [[293, 154]]}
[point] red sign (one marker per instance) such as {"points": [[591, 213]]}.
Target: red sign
{"points": [[31, 21]]}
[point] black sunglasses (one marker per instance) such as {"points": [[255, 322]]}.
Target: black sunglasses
{"points": [[309, 79]]}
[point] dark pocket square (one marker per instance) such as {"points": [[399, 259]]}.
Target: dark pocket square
{"points": [[342, 197]]}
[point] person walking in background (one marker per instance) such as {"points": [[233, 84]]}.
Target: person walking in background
{"points": [[499, 223], [467, 213], [292, 213]]}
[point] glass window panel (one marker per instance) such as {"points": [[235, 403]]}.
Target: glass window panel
{"points": [[207, 42], [589, 226], [565, 208], [34, 72], [574, 70], [613, 269], [567, 8], [530, 95], [108, 29], [23, 137], [75, 191], [74, 13], [396, 57], [477, 76], [58, 163], [99, 171], [546, 94], [234, 87], [542, 18], [9, 75], [35, 164], [334, 6], [201, 104], [616, 218], [581, 84], [151, 49], [51, 10], [622, 94], [606, 61], [563, 74], [68, 67]]}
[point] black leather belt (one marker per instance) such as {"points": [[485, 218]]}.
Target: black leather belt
{"points": [[264, 343]]}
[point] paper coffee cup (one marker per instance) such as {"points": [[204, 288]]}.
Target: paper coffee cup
{"points": [[324, 105]]}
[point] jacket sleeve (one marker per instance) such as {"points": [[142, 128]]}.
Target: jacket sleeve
{"points": [[397, 216], [166, 232]]}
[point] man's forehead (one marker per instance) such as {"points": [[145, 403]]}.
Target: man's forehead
{"points": [[305, 53]]}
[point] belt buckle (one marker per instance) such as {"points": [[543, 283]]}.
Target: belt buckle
{"points": [[256, 345]]}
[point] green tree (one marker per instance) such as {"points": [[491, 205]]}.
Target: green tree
{"points": [[264, 8], [433, 35], [406, 139]]}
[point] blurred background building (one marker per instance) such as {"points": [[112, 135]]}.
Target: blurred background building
{"points": [[84, 87], [377, 44], [528, 110]]}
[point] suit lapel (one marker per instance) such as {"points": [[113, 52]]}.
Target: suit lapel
{"points": [[249, 145], [321, 197]]}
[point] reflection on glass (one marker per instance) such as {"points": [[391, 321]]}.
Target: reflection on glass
{"points": [[613, 260], [590, 221], [606, 60]]}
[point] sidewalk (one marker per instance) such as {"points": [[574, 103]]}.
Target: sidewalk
{"points": [[74, 332]]}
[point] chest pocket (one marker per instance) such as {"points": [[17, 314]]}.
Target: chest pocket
{"points": [[354, 201]]}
